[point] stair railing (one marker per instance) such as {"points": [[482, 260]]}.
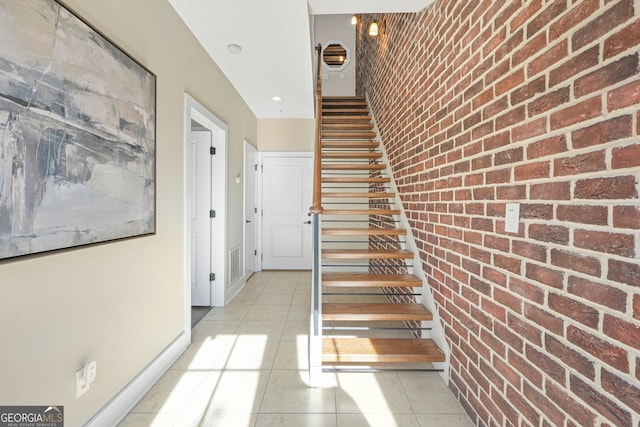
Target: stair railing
{"points": [[315, 329]]}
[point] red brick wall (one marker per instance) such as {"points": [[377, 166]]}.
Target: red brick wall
{"points": [[484, 102]]}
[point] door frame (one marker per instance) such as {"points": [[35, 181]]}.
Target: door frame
{"points": [[249, 148], [261, 156], [193, 110]]}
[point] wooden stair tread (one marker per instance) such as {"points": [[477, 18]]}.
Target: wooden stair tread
{"points": [[347, 135], [351, 155], [353, 166], [366, 254], [380, 350], [361, 212], [350, 104], [360, 195], [346, 119], [342, 97], [344, 111], [364, 231], [355, 180], [370, 280], [367, 145], [344, 101], [363, 312], [347, 126]]}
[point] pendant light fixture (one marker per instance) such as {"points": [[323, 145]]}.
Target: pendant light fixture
{"points": [[373, 29]]}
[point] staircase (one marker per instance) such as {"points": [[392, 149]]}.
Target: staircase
{"points": [[371, 317]]}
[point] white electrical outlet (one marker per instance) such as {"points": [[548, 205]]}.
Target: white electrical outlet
{"points": [[512, 218], [84, 377]]}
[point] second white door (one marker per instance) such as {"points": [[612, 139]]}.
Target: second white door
{"points": [[286, 226]]}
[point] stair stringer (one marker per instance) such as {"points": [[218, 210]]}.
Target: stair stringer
{"points": [[436, 333]]}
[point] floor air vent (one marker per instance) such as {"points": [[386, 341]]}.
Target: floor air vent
{"points": [[234, 264]]}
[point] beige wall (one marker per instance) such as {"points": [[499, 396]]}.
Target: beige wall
{"points": [[286, 134], [121, 303]]}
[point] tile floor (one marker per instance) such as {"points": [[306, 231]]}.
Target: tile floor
{"points": [[246, 367]]}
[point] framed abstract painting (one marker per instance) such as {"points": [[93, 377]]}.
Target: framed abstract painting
{"points": [[77, 133]]}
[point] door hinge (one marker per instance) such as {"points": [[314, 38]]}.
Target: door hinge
{"points": [[212, 214], [255, 210], [212, 151], [255, 168], [212, 277], [255, 252]]}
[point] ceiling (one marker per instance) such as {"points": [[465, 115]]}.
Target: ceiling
{"points": [[275, 37]]}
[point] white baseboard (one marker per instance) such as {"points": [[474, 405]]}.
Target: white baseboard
{"points": [[122, 403], [239, 285]]}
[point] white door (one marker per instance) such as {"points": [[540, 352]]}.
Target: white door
{"points": [[250, 209], [286, 198], [200, 219]]}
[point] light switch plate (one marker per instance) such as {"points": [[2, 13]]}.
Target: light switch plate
{"points": [[512, 218]]}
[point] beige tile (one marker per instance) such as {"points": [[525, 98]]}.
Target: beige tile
{"points": [[301, 298], [448, 420], [299, 312], [289, 392], [380, 420], [428, 394], [207, 329], [292, 355], [201, 355], [236, 312], [294, 329], [244, 298], [422, 380], [279, 288], [209, 420], [269, 328], [150, 420], [305, 278], [364, 392], [296, 420], [171, 394], [247, 352], [282, 277], [266, 312], [274, 300], [229, 392]]}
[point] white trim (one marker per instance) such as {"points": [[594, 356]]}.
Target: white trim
{"points": [[196, 111], [347, 58], [122, 403], [249, 148]]}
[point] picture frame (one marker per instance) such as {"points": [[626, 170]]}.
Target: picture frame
{"points": [[77, 133]]}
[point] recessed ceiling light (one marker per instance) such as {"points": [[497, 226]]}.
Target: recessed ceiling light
{"points": [[234, 48], [276, 99]]}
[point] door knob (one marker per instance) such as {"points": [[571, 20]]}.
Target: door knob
{"points": [[247, 221], [307, 222]]}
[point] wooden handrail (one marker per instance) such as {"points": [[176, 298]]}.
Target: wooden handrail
{"points": [[316, 207]]}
